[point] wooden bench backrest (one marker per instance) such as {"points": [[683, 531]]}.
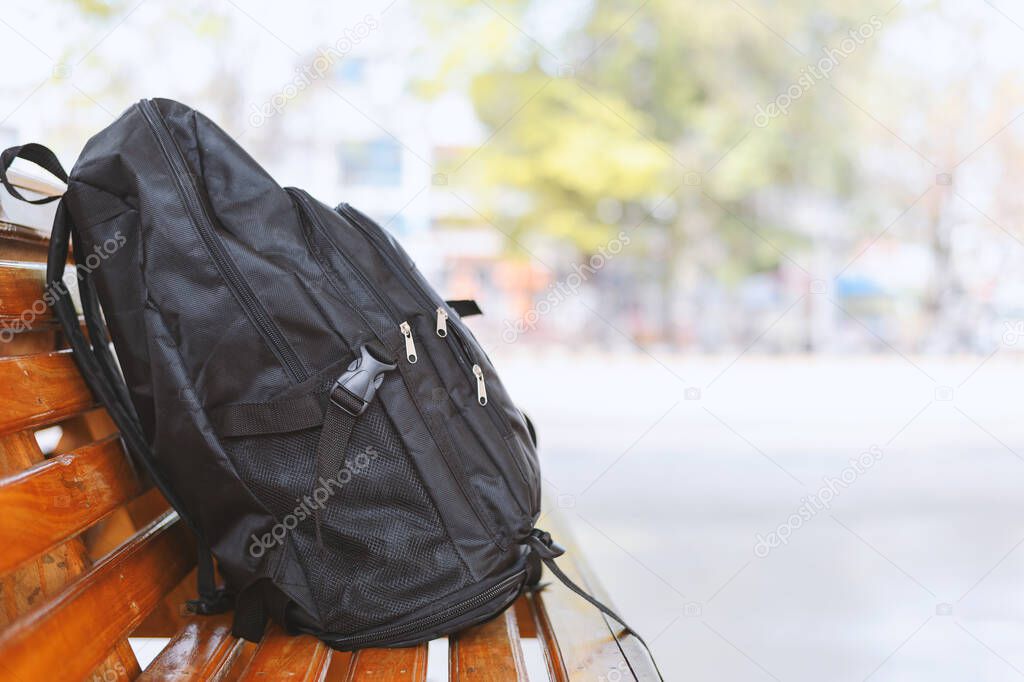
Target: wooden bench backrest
{"points": [[92, 553]]}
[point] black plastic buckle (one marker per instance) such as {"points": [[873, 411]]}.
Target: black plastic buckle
{"points": [[541, 542], [354, 389]]}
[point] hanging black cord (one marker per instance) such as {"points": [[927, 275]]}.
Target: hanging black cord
{"points": [[547, 549]]}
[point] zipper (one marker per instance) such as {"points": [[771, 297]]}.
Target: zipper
{"points": [[410, 345], [442, 322], [434, 619], [204, 226], [463, 355], [307, 213], [481, 387]]}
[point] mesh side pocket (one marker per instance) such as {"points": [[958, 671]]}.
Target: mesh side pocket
{"points": [[385, 550]]}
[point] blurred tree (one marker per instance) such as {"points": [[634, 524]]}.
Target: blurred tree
{"points": [[644, 116]]}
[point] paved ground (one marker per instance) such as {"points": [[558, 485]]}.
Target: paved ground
{"points": [[914, 571]]}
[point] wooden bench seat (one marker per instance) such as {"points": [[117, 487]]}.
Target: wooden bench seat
{"points": [[92, 555]]}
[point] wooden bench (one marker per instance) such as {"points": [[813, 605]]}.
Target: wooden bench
{"points": [[92, 556]]}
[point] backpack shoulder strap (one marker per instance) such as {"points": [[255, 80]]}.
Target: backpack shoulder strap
{"points": [[93, 357]]}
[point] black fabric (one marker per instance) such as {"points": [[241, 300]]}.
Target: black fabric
{"points": [[98, 334], [334, 505], [530, 428], [332, 446], [279, 416], [251, 613], [380, 526], [212, 599], [96, 365], [464, 307]]}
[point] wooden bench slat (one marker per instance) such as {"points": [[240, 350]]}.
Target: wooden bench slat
{"points": [[18, 451], [40, 389], [32, 342], [408, 664], [489, 652], [21, 293], [61, 497], [525, 617], [202, 650], [20, 243], [119, 666], [341, 661], [546, 637], [85, 621], [301, 658]]}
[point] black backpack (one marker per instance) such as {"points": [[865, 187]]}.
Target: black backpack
{"points": [[325, 423]]}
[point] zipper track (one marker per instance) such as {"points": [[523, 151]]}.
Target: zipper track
{"points": [[433, 619], [307, 213], [204, 226], [463, 356], [348, 213]]}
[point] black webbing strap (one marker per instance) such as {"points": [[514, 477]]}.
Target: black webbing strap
{"points": [[212, 599], [349, 397], [276, 416], [257, 602], [339, 422], [92, 356], [37, 154], [89, 364], [530, 427], [250, 618], [97, 333], [464, 307], [548, 550]]}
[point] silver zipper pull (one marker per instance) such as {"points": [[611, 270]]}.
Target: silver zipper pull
{"points": [[481, 387], [442, 322], [410, 346]]}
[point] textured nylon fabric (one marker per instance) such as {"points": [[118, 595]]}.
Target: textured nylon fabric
{"points": [[379, 527], [224, 289]]}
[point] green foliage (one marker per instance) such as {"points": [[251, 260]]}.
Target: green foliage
{"points": [[99, 9], [628, 104]]}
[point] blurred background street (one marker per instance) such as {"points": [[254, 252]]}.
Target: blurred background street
{"points": [[914, 573], [722, 249]]}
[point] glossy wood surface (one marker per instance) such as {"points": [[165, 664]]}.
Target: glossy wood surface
{"points": [[489, 652]]}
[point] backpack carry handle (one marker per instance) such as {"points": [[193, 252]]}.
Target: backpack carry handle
{"points": [[37, 154]]}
